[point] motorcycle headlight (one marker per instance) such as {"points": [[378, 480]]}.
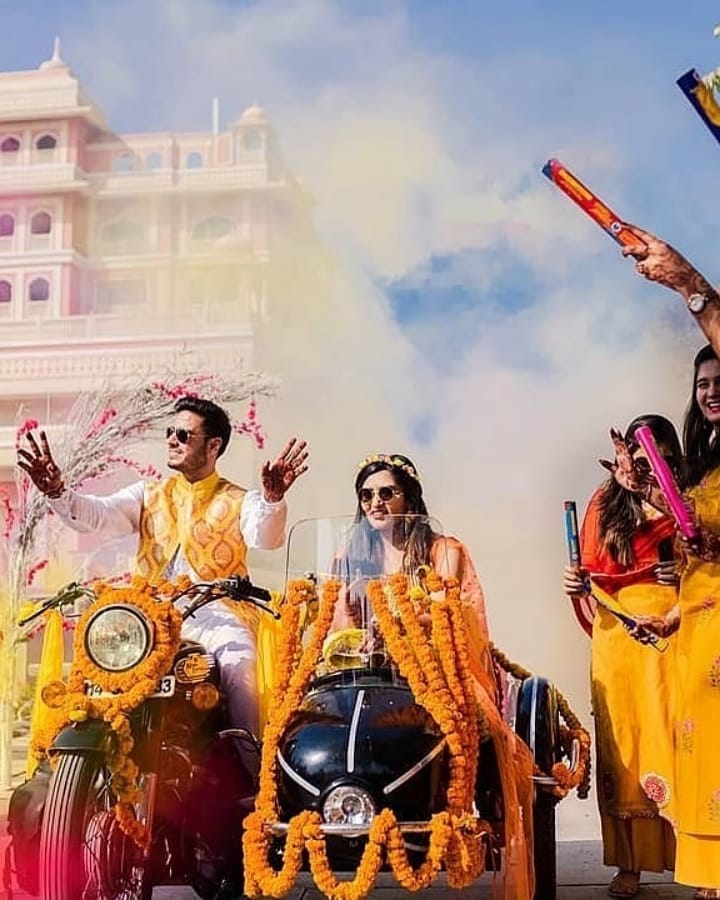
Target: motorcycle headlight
{"points": [[348, 805], [117, 638]]}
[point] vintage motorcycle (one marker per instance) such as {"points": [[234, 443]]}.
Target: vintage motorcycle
{"points": [[356, 746], [139, 793], [349, 742]]}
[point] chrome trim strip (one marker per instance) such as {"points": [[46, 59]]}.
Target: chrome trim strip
{"points": [[533, 715], [352, 731], [298, 779], [406, 776], [356, 830]]}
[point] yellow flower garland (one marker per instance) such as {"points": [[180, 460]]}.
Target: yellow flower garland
{"points": [[457, 837], [129, 689]]}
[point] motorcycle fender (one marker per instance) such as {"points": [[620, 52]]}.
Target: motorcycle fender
{"points": [[92, 736], [537, 720]]}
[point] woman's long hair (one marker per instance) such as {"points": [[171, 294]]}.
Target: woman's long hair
{"points": [[702, 449], [414, 533], [620, 509]]}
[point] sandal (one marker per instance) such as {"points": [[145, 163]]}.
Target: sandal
{"points": [[624, 884], [707, 894]]}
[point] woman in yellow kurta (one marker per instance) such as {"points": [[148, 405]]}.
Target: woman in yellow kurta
{"points": [[693, 788], [622, 542]]}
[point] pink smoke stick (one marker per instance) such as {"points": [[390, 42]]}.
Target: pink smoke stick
{"points": [[661, 471]]}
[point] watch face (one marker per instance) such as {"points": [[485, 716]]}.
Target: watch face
{"points": [[696, 303]]}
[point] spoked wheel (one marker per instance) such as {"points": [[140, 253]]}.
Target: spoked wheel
{"points": [[83, 853]]}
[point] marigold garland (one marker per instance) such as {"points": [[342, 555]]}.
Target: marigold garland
{"points": [[129, 689], [457, 837]]}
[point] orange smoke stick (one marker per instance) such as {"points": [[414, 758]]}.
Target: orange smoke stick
{"points": [[589, 203]]}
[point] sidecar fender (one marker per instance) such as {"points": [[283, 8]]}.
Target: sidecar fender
{"points": [[90, 736], [537, 720]]}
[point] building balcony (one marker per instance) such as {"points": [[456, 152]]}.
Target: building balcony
{"points": [[24, 179], [148, 181], [75, 353]]}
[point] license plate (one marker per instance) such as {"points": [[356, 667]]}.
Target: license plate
{"points": [[165, 688]]}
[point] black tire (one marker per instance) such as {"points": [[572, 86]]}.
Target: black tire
{"points": [[544, 846], [62, 874], [71, 800]]}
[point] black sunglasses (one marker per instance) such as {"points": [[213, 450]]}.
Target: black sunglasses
{"points": [[182, 434], [385, 493]]}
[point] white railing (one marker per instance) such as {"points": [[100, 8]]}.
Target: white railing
{"points": [[54, 175], [233, 319]]}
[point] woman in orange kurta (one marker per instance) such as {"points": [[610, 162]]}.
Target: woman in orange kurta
{"points": [[623, 544], [394, 534]]}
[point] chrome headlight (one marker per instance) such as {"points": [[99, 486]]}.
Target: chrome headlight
{"points": [[348, 805], [117, 638]]}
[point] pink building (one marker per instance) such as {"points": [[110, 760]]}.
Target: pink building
{"points": [[119, 250], [119, 253]]}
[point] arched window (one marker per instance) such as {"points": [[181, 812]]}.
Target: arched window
{"points": [[124, 162], [39, 289], [10, 145], [41, 223], [46, 142], [7, 225], [194, 160], [5, 291], [153, 161], [212, 229]]}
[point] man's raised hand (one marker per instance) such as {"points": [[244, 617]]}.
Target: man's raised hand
{"points": [[40, 466]]}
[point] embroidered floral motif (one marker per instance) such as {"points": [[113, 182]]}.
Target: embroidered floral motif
{"points": [[685, 735], [715, 672], [714, 806], [656, 789]]}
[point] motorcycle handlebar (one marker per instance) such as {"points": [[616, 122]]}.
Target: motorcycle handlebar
{"points": [[241, 588], [237, 587]]}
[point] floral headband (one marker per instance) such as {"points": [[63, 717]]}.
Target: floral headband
{"points": [[397, 462]]}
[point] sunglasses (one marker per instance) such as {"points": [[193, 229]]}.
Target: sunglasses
{"points": [[182, 434], [385, 493]]}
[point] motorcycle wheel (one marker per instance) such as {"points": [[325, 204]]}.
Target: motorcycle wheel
{"points": [[544, 846], [78, 792]]}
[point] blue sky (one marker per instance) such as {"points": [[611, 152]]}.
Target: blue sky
{"points": [[484, 324]]}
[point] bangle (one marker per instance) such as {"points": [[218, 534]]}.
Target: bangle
{"points": [[55, 493]]}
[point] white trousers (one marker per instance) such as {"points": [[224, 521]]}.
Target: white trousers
{"points": [[233, 646]]}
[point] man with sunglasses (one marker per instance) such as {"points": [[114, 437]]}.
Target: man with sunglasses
{"points": [[196, 523]]}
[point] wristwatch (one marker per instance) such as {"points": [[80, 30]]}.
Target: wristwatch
{"points": [[696, 303]]}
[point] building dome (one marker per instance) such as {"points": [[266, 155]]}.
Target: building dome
{"points": [[254, 115]]}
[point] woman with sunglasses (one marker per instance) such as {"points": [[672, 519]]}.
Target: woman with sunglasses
{"points": [[393, 533], [627, 549]]}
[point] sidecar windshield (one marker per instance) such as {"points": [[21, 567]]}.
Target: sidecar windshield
{"points": [[351, 549], [347, 558]]}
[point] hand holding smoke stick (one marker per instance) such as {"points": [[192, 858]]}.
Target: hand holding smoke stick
{"points": [[666, 482], [590, 203], [602, 598]]}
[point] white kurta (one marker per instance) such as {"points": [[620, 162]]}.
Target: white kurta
{"points": [[215, 627]]}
